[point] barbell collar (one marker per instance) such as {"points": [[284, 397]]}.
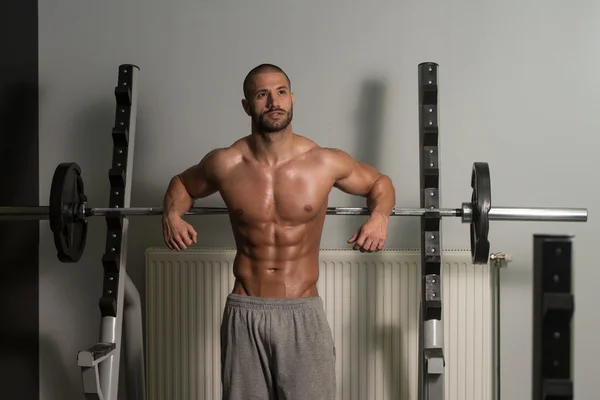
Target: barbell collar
{"points": [[466, 213]]}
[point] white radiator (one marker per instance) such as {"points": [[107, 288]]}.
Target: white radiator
{"points": [[371, 302]]}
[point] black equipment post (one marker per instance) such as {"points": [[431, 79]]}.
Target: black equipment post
{"points": [[553, 308], [100, 364], [431, 327]]}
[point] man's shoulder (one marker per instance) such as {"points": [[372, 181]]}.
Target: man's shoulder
{"points": [[221, 159], [236, 149], [309, 146], [330, 155]]}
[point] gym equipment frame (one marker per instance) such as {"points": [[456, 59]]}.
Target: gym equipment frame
{"points": [[553, 305]]}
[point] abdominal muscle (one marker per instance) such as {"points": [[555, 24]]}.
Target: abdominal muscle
{"points": [[277, 261]]}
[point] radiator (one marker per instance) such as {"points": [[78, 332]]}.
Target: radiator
{"points": [[371, 302]]}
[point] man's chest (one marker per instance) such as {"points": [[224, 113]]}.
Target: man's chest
{"points": [[264, 194]]}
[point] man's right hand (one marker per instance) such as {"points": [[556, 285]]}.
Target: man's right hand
{"points": [[178, 234]]}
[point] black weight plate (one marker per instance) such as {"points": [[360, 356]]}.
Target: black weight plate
{"points": [[481, 200], [67, 197]]}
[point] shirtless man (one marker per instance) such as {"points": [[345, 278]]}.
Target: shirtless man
{"points": [[276, 342]]}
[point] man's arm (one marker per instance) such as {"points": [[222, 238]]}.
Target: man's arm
{"points": [[195, 182], [357, 178]]}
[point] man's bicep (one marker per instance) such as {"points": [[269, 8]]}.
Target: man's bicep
{"points": [[200, 180], [353, 177]]}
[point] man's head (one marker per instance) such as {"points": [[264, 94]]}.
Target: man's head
{"points": [[268, 98]]}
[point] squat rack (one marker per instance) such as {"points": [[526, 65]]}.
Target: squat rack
{"points": [[120, 305], [101, 363]]}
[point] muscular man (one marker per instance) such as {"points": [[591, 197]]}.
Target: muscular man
{"points": [[275, 340]]}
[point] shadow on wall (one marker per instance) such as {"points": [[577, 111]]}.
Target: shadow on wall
{"points": [[369, 120], [370, 116]]}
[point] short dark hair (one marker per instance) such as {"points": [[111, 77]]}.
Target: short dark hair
{"points": [[260, 69]]}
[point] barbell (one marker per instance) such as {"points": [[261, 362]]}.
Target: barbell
{"points": [[68, 212]]}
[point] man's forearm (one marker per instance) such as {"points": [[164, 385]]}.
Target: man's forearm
{"points": [[177, 199], [382, 196]]}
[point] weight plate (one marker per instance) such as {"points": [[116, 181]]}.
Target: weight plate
{"points": [[481, 199], [67, 197]]}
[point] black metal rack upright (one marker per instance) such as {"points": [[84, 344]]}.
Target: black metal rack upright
{"points": [[553, 308], [100, 365], [431, 327]]}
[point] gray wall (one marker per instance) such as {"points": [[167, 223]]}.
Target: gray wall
{"points": [[518, 89]]}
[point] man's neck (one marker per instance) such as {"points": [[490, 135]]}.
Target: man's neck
{"points": [[273, 148]]}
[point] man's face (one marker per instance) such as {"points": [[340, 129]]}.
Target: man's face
{"points": [[270, 102]]}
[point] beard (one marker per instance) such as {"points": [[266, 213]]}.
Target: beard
{"points": [[267, 125]]}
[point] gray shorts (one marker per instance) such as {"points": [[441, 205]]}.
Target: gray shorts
{"points": [[276, 349]]}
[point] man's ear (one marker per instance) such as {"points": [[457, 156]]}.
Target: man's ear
{"points": [[246, 106], [292, 94]]}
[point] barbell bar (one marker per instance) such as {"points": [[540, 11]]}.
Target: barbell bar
{"points": [[68, 212], [495, 213]]}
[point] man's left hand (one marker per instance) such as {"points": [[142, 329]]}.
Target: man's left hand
{"points": [[371, 236]]}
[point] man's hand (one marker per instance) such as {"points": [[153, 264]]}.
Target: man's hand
{"points": [[178, 234], [371, 236]]}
